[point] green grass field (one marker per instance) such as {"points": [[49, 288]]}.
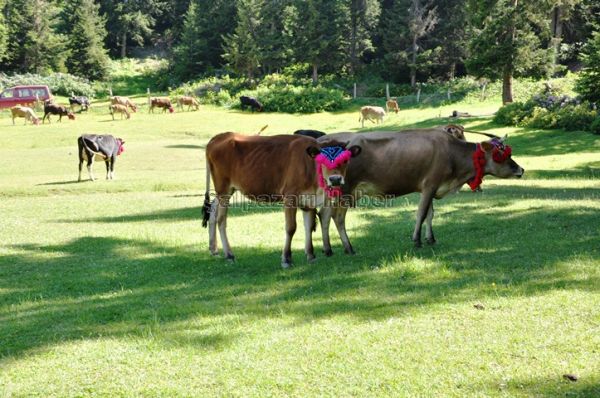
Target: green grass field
{"points": [[107, 288]]}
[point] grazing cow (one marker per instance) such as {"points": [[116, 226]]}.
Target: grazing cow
{"points": [[429, 161], [372, 113], [117, 100], [189, 101], [253, 103], [54, 109], [99, 147], [310, 133], [122, 109], [160, 102], [82, 102], [292, 169], [25, 112], [393, 105]]}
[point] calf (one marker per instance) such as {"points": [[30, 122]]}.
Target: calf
{"points": [[25, 112], [189, 101], [253, 103], [160, 102], [119, 109], [310, 133], [55, 109], [82, 102], [456, 131], [429, 161], [372, 113], [292, 169], [393, 105], [117, 100], [99, 147]]}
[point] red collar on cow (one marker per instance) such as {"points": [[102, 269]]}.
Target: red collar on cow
{"points": [[121, 147], [500, 153], [331, 157]]}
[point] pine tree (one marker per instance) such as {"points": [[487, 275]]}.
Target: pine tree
{"points": [[187, 54], [33, 44], [364, 16], [3, 33], [87, 56], [319, 29], [508, 41], [588, 82], [241, 48]]}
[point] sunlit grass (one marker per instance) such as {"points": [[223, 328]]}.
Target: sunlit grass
{"points": [[108, 289]]}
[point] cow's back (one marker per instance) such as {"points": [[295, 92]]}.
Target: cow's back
{"points": [[397, 163], [260, 166]]}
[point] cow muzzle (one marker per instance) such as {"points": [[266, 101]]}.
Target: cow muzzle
{"points": [[335, 181]]}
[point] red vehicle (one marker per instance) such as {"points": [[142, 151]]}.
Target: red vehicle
{"points": [[24, 95]]}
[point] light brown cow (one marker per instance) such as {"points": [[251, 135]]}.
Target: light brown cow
{"points": [[25, 112], [117, 100], [429, 161], [372, 113], [160, 102], [117, 108], [392, 104], [292, 169], [456, 130], [189, 101]]}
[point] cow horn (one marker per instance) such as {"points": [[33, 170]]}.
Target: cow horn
{"points": [[263, 129], [479, 132], [504, 138]]}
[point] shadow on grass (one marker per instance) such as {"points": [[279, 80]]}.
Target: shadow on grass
{"points": [[555, 387], [61, 182], [186, 146]]}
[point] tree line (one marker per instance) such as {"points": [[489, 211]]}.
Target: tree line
{"points": [[397, 40]]}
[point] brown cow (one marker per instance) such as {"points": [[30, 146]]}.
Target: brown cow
{"points": [[189, 101], [117, 100], [456, 130], [392, 104], [160, 102], [117, 108], [292, 169], [25, 112], [429, 161]]}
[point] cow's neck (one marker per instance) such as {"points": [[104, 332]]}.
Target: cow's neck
{"points": [[466, 168]]}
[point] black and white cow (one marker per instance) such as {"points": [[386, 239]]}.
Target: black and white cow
{"points": [[99, 147], [253, 103], [81, 101]]}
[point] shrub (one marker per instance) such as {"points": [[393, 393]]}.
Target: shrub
{"points": [[59, 83], [595, 127], [577, 117], [513, 114], [295, 99], [541, 118]]}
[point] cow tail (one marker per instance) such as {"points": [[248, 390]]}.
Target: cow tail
{"points": [[206, 205], [317, 220]]}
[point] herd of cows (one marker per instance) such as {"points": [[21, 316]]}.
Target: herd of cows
{"points": [[321, 174]]}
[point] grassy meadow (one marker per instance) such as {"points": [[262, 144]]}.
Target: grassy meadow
{"points": [[107, 288]]}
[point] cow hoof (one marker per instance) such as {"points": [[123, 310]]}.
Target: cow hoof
{"points": [[286, 264], [431, 241], [418, 244], [328, 252], [350, 251], [311, 258], [230, 257]]}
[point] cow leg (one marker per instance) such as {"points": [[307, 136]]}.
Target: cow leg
{"points": [[290, 229], [80, 166], [59, 118], [112, 167], [223, 206], [339, 217], [107, 162], [309, 224], [428, 226], [325, 216], [422, 211], [212, 228], [90, 163]]}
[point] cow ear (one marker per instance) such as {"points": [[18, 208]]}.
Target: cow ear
{"points": [[487, 146], [312, 151], [355, 150]]}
